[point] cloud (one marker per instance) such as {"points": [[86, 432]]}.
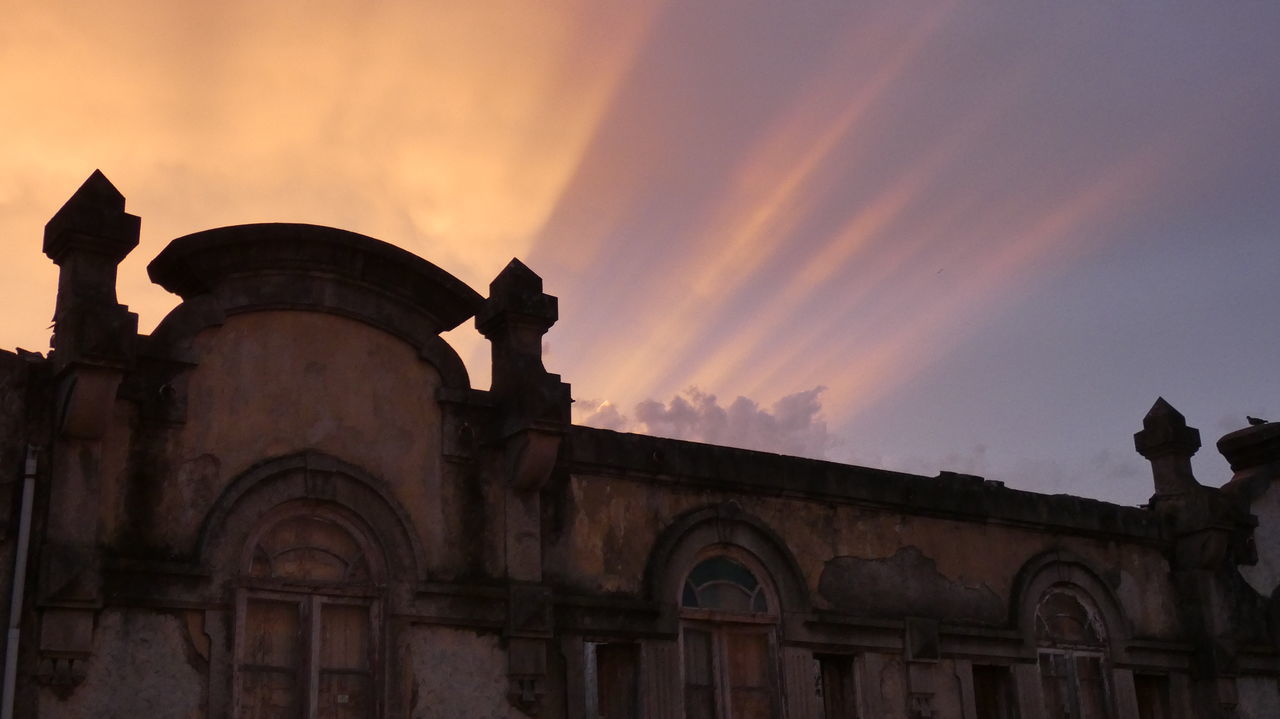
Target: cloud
{"points": [[599, 413], [792, 425]]}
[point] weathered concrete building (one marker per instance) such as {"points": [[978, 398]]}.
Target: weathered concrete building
{"points": [[289, 501]]}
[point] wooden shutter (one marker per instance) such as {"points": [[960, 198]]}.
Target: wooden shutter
{"points": [[699, 676], [271, 664], [750, 680]]}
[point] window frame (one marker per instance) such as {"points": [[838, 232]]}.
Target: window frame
{"points": [[594, 682], [720, 624], [309, 599], [1000, 679], [1072, 653], [839, 680]]}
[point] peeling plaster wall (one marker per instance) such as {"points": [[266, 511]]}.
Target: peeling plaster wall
{"points": [[274, 383], [143, 666], [457, 673], [1259, 697], [1264, 576], [614, 522], [875, 588]]}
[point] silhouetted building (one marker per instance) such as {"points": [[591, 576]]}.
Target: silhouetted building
{"points": [[289, 501]]}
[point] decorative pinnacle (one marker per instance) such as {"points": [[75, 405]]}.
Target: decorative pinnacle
{"points": [[1165, 432], [92, 219], [516, 295], [516, 278]]}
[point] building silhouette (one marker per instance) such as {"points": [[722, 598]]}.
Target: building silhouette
{"points": [[289, 501]]}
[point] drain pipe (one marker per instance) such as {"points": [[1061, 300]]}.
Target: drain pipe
{"points": [[19, 584]]}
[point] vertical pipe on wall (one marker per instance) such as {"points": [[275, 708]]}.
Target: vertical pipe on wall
{"points": [[19, 584]]}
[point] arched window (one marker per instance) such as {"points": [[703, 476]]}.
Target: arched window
{"points": [[728, 623], [307, 613], [1072, 641]]}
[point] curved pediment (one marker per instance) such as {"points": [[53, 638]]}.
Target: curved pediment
{"points": [[281, 266], [204, 261]]}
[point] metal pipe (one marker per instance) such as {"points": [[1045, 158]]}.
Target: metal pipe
{"points": [[19, 584]]}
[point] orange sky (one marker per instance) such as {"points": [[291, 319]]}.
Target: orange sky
{"points": [[936, 212]]}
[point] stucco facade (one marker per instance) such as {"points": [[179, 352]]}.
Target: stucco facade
{"points": [[289, 501]]}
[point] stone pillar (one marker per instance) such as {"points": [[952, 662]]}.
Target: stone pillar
{"points": [[93, 346], [532, 417], [1211, 533]]}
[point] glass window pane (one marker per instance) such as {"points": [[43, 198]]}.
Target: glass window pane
{"points": [[722, 595], [722, 583], [722, 569], [690, 596]]}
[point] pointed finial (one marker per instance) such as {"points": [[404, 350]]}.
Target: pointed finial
{"points": [[516, 277], [1168, 443], [92, 219], [514, 318], [1163, 413], [516, 295], [1165, 431], [98, 190]]}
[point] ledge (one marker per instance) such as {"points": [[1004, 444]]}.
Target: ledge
{"points": [[960, 497]]}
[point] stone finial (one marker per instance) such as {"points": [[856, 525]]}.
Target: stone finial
{"points": [[87, 238], [516, 294], [1168, 443], [514, 317], [92, 220]]}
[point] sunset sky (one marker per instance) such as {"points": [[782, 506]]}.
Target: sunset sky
{"points": [[969, 236]]}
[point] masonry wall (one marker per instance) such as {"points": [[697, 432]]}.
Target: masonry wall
{"points": [[269, 384], [868, 561]]}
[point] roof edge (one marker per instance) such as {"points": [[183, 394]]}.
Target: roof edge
{"points": [[199, 263]]}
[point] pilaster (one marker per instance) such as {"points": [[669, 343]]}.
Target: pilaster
{"points": [[532, 418], [93, 347]]}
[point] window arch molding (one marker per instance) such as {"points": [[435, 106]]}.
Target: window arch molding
{"points": [[723, 528], [1046, 571], [361, 545], [247, 504], [1070, 620]]}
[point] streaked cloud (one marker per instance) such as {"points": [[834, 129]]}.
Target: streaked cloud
{"points": [[751, 198]]}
